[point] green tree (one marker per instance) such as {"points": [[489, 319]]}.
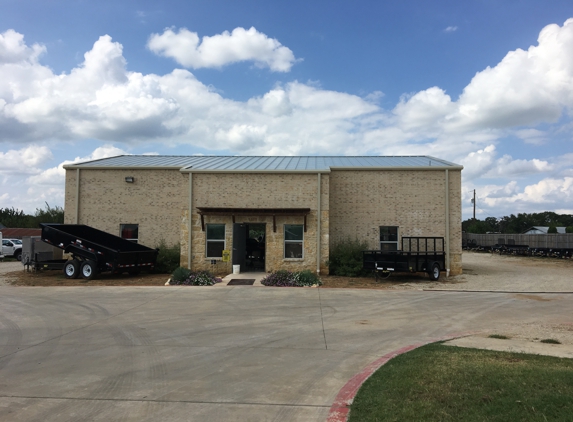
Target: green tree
{"points": [[49, 215], [11, 217], [552, 229], [14, 218]]}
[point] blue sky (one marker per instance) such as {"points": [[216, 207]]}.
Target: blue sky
{"points": [[487, 84]]}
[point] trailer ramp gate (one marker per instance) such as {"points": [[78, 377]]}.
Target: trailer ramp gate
{"points": [[418, 254]]}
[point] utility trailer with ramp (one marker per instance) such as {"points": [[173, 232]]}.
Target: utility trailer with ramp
{"points": [[418, 254]]}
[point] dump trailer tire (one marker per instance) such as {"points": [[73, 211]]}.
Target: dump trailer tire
{"points": [[88, 269], [434, 271], [382, 275], [72, 268]]}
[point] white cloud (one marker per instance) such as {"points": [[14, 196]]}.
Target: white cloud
{"points": [[485, 164], [55, 176], [240, 45], [451, 29], [24, 161], [546, 194], [102, 100], [478, 163], [532, 136], [26, 186], [548, 190], [424, 110], [506, 166], [526, 87], [14, 50]]}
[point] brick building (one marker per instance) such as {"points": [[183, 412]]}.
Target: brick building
{"points": [[269, 212]]}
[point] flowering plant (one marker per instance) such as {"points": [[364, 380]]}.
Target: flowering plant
{"points": [[284, 278], [199, 278]]}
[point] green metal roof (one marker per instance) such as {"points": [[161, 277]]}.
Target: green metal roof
{"points": [[264, 163]]}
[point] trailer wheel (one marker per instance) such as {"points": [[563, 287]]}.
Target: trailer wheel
{"points": [[88, 269], [383, 274], [72, 269], [434, 272]]}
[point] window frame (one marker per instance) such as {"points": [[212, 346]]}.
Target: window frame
{"points": [[123, 226], [207, 240], [389, 242], [292, 241]]}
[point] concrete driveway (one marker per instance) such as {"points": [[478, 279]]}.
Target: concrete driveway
{"points": [[220, 354]]}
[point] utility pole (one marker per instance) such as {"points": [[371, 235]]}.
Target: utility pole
{"points": [[474, 202]]}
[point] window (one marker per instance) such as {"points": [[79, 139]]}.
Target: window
{"points": [[388, 238], [215, 240], [293, 240], [129, 232]]}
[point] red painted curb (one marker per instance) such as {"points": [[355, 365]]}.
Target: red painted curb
{"points": [[341, 407]]}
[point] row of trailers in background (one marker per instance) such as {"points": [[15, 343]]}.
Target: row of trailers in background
{"points": [[544, 245]]}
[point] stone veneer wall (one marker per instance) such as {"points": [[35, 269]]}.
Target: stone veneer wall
{"points": [[154, 201], [362, 201], [259, 190]]}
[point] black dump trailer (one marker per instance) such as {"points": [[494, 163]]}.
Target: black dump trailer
{"points": [[418, 254], [94, 251]]}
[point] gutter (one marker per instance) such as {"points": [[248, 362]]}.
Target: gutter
{"points": [[190, 222], [318, 220], [447, 223]]}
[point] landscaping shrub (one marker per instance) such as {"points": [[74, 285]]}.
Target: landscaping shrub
{"points": [[306, 278], [284, 278], [346, 258], [199, 278], [169, 257], [181, 274]]}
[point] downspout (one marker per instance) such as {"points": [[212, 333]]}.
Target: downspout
{"points": [[190, 220], [447, 223], [78, 196], [318, 211]]}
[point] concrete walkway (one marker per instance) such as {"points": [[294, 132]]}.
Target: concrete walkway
{"points": [[514, 345], [233, 354], [257, 276]]}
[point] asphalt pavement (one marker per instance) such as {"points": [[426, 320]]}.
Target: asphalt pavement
{"points": [[179, 353]]}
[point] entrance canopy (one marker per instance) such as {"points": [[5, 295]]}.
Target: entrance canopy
{"points": [[256, 212]]}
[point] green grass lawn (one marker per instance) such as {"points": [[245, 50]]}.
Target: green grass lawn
{"points": [[444, 383]]}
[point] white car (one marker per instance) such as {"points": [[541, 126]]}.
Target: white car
{"points": [[13, 248]]}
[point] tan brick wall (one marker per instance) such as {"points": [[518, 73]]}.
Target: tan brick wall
{"points": [[260, 190], [354, 204], [155, 201], [70, 197], [362, 201]]}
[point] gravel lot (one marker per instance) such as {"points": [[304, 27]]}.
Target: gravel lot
{"points": [[492, 272], [7, 267]]}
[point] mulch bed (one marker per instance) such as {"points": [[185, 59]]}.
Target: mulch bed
{"points": [[394, 281], [57, 278]]}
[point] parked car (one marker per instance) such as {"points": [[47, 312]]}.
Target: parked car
{"points": [[12, 248]]}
